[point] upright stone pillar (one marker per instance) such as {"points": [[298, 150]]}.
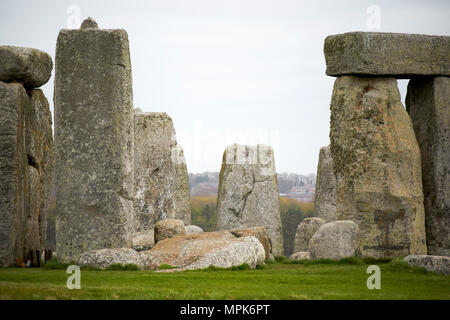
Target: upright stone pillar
{"points": [[40, 156], [325, 193], [26, 152], [377, 166], [248, 192], [161, 178], [376, 155], [428, 104], [94, 140], [14, 175]]}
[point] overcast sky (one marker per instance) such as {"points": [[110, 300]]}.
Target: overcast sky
{"points": [[244, 71]]}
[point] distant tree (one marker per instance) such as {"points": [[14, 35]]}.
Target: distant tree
{"points": [[292, 213], [203, 212]]}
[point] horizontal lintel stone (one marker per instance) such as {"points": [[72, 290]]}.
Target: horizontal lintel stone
{"points": [[397, 55]]}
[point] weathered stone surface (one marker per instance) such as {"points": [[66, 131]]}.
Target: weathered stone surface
{"points": [[325, 191], [305, 230], [201, 250], [143, 240], [14, 176], [168, 228], [94, 141], [387, 54], [191, 229], [29, 66], [89, 23], [245, 250], [103, 258], [377, 166], [259, 233], [439, 264], [301, 255], [161, 179], [40, 159], [26, 164], [182, 196], [428, 104], [334, 240], [248, 192]]}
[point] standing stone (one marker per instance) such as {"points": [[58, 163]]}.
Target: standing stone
{"points": [[14, 176], [26, 164], [325, 193], [305, 231], [387, 54], [94, 141], [428, 104], [40, 158], [248, 192], [182, 195], [377, 166], [161, 179]]}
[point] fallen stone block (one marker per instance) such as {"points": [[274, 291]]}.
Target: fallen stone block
{"points": [[168, 228], [143, 240], [334, 240], [305, 230], [439, 264], [104, 258], [301, 255], [191, 229], [259, 233], [201, 250]]}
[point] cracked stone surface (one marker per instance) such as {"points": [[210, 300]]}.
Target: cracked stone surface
{"points": [[160, 172], [248, 192], [377, 166], [94, 141], [428, 104]]}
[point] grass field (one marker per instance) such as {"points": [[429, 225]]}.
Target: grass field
{"points": [[281, 280]]}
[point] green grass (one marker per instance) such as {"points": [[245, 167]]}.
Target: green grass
{"points": [[283, 279]]}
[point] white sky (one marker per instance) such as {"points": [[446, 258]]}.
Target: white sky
{"points": [[244, 71]]}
